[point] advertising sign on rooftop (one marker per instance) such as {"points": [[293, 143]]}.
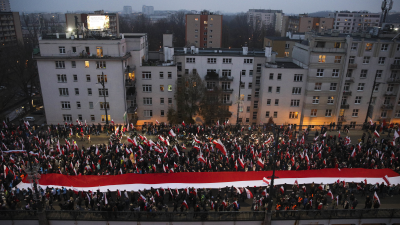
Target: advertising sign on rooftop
{"points": [[98, 22]]}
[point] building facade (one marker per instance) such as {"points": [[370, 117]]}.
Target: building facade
{"points": [[81, 19], [10, 32], [317, 24], [354, 22], [5, 6], [148, 10], [204, 30], [266, 17], [127, 10]]}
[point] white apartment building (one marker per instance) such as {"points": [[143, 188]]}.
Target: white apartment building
{"points": [[351, 22], [266, 17]]}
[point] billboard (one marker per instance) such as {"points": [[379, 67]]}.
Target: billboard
{"points": [[98, 22]]}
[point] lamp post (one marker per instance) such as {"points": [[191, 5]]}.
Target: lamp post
{"points": [[275, 131], [370, 99], [102, 81]]}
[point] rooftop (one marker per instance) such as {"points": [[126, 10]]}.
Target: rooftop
{"points": [[220, 52]]}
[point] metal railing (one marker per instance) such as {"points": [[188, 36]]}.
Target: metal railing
{"points": [[202, 216]]}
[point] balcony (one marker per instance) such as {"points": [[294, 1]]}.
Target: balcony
{"points": [[347, 93], [389, 94], [345, 106], [349, 79], [335, 50], [132, 109], [227, 102], [129, 82], [226, 78], [342, 119], [393, 81], [395, 66], [352, 66], [387, 107], [227, 90]]}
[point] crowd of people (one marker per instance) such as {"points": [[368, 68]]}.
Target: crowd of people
{"points": [[215, 148]]}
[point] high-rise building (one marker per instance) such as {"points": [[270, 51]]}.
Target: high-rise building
{"points": [[204, 30], [266, 17], [353, 22], [5, 6], [317, 24], [10, 29], [127, 10], [148, 10]]}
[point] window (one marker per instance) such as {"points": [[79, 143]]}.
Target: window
{"points": [[279, 76], [268, 101], [73, 64], [146, 87], [379, 73], [161, 101], [99, 51], [161, 87], [247, 120], [351, 59], [190, 60], [63, 91], [92, 118], [258, 68], [255, 104], [294, 103], [321, 58], [67, 118], [396, 60], [338, 59], [90, 105], [104, 105], [317, 86], [278, 89], [381, 60], [271, 76], [275, 114], [397, 114], [313, 112], [226, 60], [315, 100], [248, 109], [78, 105], [212, 60], [147, 101], [148, 113], [75, 77], [162, 113], [384, 47], [60, 65], [248, 61], [250, 85], [269, 89], [73, 49], [103, 118], [170, 73], [328, 112], [146, 75], [169, 100], [251, 72], [257, 92], [226, 85], [102, 77], [287, 54], [366, 59], [368, 47], [298, 77], [62, 78], [384, 114], [226, 73], [286, 46], [330, 99], [276, 101], [320, 72], [398, 47], [102, 92], [267, 114], [86, 64], [335, 72], [65, 105], [390, 87], [337, 45], [296, 91], [360, 86], [169, 87], [61, 49], [89, 90], [333, 87], [100, 64], [363, 73], [354, 46], [186, 71]]}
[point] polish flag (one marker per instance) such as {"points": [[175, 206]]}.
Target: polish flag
{"points": [[184, 201], [268, 141], [260, 163], [160, 138], [330, 194], [376, 134], [157, 122], [371, 123], [197, 141], [165, 167], [339, 134], [175, 165], [386, 179], [376, 197], [183, 146], [249, 194], [175, 149], [238, 190], [324, 161], [282, 189], [241, 162], [119, 193], [171, 132], [212, 205], [235, 204], [171, 170], [133, 141], [158, 193], [183, 123], [296, 183], [201, 158], [265, 180], [220, 146], [307, 159], [142, 197], [353, 154], [154, 167]]}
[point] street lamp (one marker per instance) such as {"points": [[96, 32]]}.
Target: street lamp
{"points": [[370, 99], [104, 95]]}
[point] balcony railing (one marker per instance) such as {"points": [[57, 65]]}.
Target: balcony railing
{"points": [[393, 80], [227, 90], [387, 107], [132, 109], [345, 106], [352, 66], [130, 82], [395, 66], [347, 93], [349, 79], [227, 102], [389, 93]]}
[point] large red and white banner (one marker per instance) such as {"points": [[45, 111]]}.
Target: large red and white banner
{"points": [[136, 182]]}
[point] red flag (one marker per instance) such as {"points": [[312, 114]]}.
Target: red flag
{"points": [[376, 134], [184, 201], [376, 197], [220, 146], [386, 179], [249, 194], [183, 123], [265, 180], [260, 163], [171, 132], [133, 141]]}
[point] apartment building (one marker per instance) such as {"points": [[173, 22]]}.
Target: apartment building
{"points": [[204, 30], [148, 10], [350, 22], [317, 24], [266, 17], [10, 29], [5, 6], [342, 70], [290, 24], [283, 46], [127, 10]]}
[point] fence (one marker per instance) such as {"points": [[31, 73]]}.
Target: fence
{"points": [[202, 216]]}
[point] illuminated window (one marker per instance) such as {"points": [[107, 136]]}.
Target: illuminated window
{"points": [[86, 64], [321, 58], [100, 78], [286, 54], [169, 87], [103, 118], [161, 87], [100, 64], [368, 47], [196, 19], [313, 112], [293, 115], [205, 22], [99, 51]]}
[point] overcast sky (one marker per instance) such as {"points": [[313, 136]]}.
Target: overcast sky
{"points": [[288, 6]]}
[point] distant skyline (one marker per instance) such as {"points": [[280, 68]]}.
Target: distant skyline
{"points": [[225, 6]]}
